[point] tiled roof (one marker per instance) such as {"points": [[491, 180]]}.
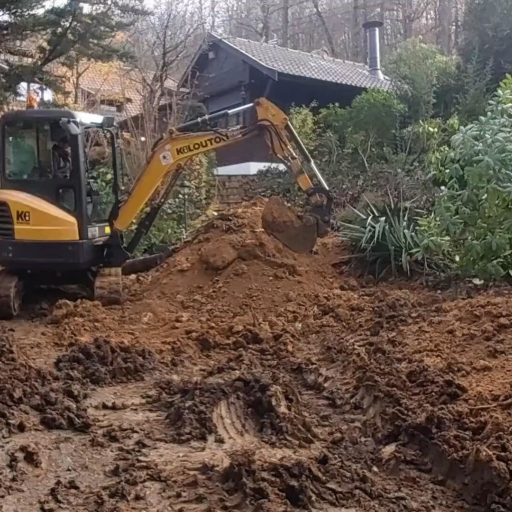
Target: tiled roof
{"points": [[118, 82], [107, 81], [307, 65]]}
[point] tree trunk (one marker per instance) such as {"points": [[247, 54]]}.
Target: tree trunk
{"points": [[407, 19], [213, 8], [363, 40], [327, 32], [265, 20], [382, 17], [285, 38], [444, 34], [356, 30]]}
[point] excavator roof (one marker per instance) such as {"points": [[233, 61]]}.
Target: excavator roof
{"points": [[84, 118]]}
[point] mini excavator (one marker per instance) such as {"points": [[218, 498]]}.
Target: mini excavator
{"points": [[52, 235]]}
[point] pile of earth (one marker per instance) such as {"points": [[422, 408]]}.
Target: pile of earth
{"points": [[288, 383]]}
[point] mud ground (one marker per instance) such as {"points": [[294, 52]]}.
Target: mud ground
{"points": [[242, 377]]}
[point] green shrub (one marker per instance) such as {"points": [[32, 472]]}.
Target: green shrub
{"points": [[367, 127], [305, 124], [422, 75], [474, 94], [474, 208], [387, 237]]}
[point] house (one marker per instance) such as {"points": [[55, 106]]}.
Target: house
{"points": [[107, 89], [114, 89], [227, 72]]}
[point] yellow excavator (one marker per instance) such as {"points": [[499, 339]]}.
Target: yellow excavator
{"points": [[52, 235]]}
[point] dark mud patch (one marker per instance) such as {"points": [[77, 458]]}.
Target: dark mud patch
{"points": [[104, 362], [464, 445], [234, 409], [267, 485], [469, 450], [25, 389]]}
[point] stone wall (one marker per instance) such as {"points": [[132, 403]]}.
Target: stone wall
{"points": [[236, 189]]}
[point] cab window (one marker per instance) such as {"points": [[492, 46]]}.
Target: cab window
{"points": [[36, 151]]}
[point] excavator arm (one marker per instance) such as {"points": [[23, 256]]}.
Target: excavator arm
{"points": [[171, 153]]}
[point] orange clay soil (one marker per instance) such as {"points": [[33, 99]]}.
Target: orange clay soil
{"points": [[240, 376]]}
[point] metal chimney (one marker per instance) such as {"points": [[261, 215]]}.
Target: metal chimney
{"points": [[373, 32]]}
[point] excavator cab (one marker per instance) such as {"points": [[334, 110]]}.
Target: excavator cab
{"points": [[48, 198]]}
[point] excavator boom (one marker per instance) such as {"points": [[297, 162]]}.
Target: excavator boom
{"points": [[171, 153]]}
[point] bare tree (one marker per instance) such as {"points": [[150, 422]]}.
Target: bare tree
{"points": [[285, 38], [325, 27], [300, 24], [445, 19], [170, 38]]}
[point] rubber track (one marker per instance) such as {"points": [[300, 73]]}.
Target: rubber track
{"points": [[10, 295], [108, 287]]}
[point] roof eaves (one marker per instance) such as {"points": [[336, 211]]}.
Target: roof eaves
{"points": [[270, 72], [370, 84]]}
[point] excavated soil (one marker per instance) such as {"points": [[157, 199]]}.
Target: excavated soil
{"points": [[240, 376], [102, 362]]}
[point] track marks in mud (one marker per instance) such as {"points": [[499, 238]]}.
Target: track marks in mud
{"points": [[234, 409], [232, 424]]}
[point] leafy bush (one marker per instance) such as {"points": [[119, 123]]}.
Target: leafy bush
{"points": [[487, 35], [354, 148], [102, 180], [367, 127], [433, 138], [474, 208], [422, 75], [305, 124], [474, 94]]}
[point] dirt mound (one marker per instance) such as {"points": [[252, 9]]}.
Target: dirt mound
{"points": [[104, 362]]}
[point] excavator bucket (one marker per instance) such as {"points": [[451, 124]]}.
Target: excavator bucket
{"points": [[280, 221]]}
